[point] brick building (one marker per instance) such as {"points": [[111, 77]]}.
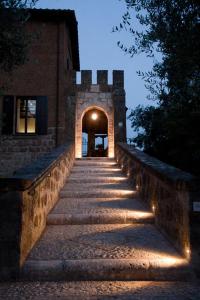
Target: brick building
{"points": [[35, 108], [39, 106]]}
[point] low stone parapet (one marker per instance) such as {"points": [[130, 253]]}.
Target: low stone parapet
{"points": [[26, 199], [170, 193]]}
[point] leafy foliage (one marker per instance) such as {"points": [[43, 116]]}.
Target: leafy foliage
{"points": [[14, 40], [170, 130]]}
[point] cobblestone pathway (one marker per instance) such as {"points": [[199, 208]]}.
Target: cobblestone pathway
{"points": [[100, 232]]}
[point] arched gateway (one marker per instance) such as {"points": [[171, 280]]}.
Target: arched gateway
{"points": [[95, 125], [100, 112]]}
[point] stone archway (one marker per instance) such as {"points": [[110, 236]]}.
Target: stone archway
{"points": [[95, 126], [81, 109]]}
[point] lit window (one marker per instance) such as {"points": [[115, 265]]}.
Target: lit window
{"points": [[25, 115]]}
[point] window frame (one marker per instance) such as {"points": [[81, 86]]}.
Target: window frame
{"points": [[26, 98], [9, 116]]}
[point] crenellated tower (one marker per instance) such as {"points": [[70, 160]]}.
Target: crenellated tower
{"points": [[107, 101]]}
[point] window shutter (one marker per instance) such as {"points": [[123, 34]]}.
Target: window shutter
{"points": [[8, 115], [42, 115]]}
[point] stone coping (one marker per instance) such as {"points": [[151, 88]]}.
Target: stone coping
{"points": [[162, 170], [26, 177]]}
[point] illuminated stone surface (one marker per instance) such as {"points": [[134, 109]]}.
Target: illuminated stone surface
{"points": [[95, 290], [101, 231], [168, 191], [90, 199], [117, 241], [102, 97], [99, 101]]}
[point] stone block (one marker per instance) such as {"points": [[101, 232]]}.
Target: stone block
{"points": [[94, 88], [102, 77], [118, 79], [86, 77]]}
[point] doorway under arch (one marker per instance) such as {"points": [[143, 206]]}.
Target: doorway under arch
{"points": [[95, 126], [96, 122]]}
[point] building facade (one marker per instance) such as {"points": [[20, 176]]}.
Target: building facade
{"points": [[43, 107], [34, 109]]}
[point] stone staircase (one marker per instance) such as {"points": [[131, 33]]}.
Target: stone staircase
{"points": [[100, 230]]}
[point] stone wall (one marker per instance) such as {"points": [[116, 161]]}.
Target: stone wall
{"points": [[91, 96], [18, 151], [26, 199], [169, 192], [110, 98]]}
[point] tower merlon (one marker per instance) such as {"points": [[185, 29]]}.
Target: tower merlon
{"points": [[118, 78], [102, 78], [86, 77]]}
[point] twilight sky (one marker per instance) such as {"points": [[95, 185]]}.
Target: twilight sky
{"points": [[98, 45]]}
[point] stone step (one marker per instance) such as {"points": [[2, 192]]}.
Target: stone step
{"points": [[100, 211], [95, 159], [105, 269], [95, 170], [97, 193], [80, 186], [97, 179], [88, 161], [101, 290], [93, 165], [89, 164], [101, 205], [96, 166], [95, 217], [100, 230], [104, 252], [98, 174]]}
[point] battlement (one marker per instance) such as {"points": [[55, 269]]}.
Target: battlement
{"points": [[102, 78]]}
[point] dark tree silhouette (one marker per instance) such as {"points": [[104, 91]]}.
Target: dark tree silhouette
{"points": [[14, 40], [170, 130]]}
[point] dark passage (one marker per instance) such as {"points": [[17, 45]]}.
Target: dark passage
{"points": [[95, 125]]}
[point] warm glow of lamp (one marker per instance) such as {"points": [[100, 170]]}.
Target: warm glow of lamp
{"points": [[94, 116], [115, 169], [168, 261], [139, 214], [187, 252], [117, 178]]}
